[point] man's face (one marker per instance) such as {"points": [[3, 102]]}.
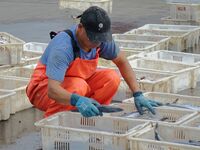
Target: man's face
{"points": [[86, 40]]}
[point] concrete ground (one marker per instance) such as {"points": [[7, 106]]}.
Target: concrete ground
{"points": [[32, 20]]}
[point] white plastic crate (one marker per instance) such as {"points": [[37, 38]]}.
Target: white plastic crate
{"points": [[187, 58], [164, 114], [193, 122], [5, 100], [127, 52], [35, 47], [30, 57], [183, 37], [10, 49], [190, 102], [71, 131], [169, 20], [148, 81], [84, 4], [162, 41], [172, 138], [137, 45], [186, 11], [183, 72], [21, 101], [17, 72], [184, 1], [3, 67]]}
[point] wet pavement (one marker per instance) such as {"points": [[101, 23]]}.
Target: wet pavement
{"points": [[32, 20]]}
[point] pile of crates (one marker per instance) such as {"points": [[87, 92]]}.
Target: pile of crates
{"points": [[183, 12], [14, 74]]}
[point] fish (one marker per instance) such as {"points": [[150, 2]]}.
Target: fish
{"points": [[106, 109]]}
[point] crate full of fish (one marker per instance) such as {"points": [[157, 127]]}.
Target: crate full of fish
{"points": [[147, 81], [18, 86], [166, 137], [5, 102], [162, 41], [84, 4], [173, 100], [186, 58], [164, 114], [17, 72], [11, 49], [186, 75], [183, 37], [69, 130]]}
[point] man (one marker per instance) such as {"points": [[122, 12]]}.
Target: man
{"points": [[67, 77]]}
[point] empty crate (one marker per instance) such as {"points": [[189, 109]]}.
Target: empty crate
{"points": [[5, 104], [183, 37], [162, 41], [10, 49], [18, 86], [67, 130], [148, 81], [18, 72], [84, 4], [193, 122], [186, 75], [187, 58], [165, 137], [35, 47], [170, 20]]}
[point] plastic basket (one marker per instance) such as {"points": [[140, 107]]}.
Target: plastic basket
{"points": [[183, 37], [186, 58], [191, 102], [164, 114], [170, 20], [68, 131], [10, 49], [21, 101], [193, 122], [148, 81], [84, 4], [35, 47], [128, 53], [137, 45], [183, 72], [162, 41], [5, 100], [185, 11], [30, 57], [173, 138], [18, 72]]}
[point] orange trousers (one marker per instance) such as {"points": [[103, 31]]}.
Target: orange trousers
{"points": [[101, 86]]}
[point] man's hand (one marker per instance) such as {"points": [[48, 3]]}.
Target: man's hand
{"points": [[141, 101], [86, 106]]}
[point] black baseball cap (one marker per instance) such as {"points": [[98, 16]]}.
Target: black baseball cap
{"points": [[97, 24]]}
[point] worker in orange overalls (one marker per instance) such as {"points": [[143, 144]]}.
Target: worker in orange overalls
{"points": [[66, 77]]}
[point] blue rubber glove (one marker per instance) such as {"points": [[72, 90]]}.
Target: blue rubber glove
{"points": [[86, 106], [141, 101]]}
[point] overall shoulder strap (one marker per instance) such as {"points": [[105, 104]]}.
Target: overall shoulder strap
{"points": [[74, 44]]}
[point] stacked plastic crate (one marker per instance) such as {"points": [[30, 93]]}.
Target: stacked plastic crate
{"points": [[183, 12], [14, 75]]}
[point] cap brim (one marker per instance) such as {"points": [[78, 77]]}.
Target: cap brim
{"points": [[99, 37]]}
